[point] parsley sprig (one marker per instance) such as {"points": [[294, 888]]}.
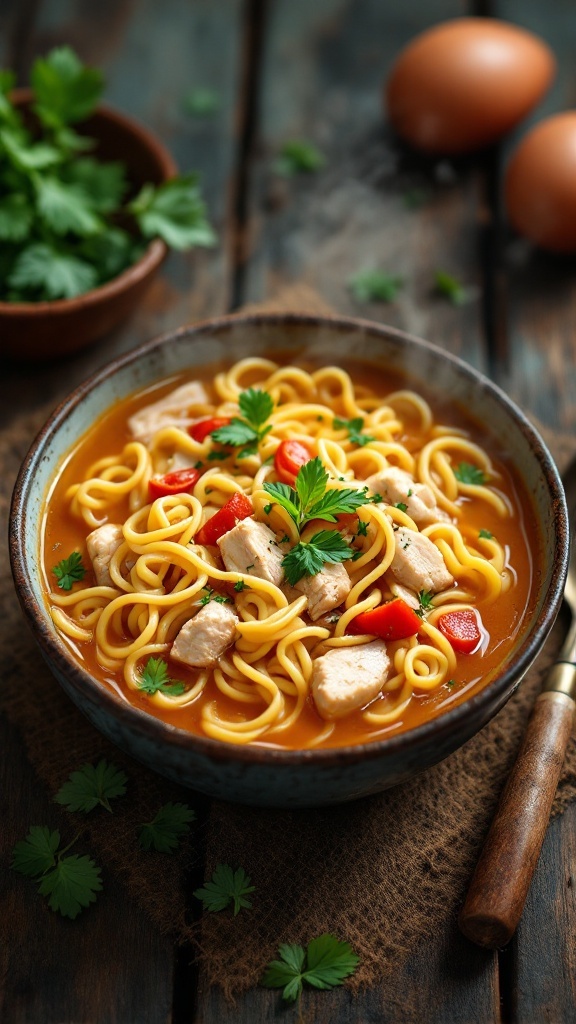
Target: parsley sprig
{"points": [[354, 428], [70, 882], [226, 886], [325, 963], [69, 571], [167, 828], [307, 558], [92, 785], [248, 430], [425, 602], [466, 473], [65, 225], [155, 678]]}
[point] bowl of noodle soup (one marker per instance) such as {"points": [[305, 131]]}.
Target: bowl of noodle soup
{"points": [[289, 560]]}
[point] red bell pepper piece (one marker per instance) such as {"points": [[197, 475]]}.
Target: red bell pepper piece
{"points": [[181, 481], [199, 431], [236, 508], [289, 458], [394, 620], [461, 629]]}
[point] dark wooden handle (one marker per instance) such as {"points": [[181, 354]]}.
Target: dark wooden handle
{"points": [[502, 878]]}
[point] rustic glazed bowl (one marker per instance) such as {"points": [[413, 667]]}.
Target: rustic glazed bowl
{"points": [[45, 330], [252, 774]]}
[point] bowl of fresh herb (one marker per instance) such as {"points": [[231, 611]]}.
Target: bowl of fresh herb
{"points": [[90, 202]]}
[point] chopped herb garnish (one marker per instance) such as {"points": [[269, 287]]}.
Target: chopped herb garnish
{"points": [[298, 156], [362, 530], [324, 964], [268, 508], [376, 499], [375, 286], [217, 456], [199, 464], [69, 571], [425, 598], [449, 683], [70, 883], [402, 506], [486, 534], [311, 499], [91, 785], [354, 428], [307, 559], [240, 585], [156, 679], [410, 493], [167, 828], [466, 473], [226, 886], [247, 431], [221, 599]]}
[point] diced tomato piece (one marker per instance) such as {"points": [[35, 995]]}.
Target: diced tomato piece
{"points": [[199, 431], [461, 629], [238, 507], [289, 457], [394, 620], [181, 481]]}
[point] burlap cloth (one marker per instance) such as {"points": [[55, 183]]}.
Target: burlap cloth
{"points": [[384, 873]]}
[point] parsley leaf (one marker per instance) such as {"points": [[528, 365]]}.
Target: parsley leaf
{"points": [[375, 286], [329, 962], [71, 883], [402, 506], [92, 785], [240, 585], [104, 183], [53, 274], [298, 156], [308, 558], [66, 91], [69, 571], [362, 530], [65, 208], [466, 473], [486, 534], [174, 212], [15, 218], [425, 598], [225, 887], [167, 828], [311, 500], [256, 407], [354, 428], [155, 678]]}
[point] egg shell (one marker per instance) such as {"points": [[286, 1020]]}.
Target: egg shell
{"points": [[540, 184], [463, 84]]}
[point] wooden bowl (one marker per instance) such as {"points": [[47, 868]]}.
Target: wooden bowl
{"points": [[45, 330]]}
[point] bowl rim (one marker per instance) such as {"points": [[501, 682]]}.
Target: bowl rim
{"points": [[494, 693], [152, 257]]}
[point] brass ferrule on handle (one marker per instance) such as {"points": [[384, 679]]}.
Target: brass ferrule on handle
{"points": [[561, 679]]}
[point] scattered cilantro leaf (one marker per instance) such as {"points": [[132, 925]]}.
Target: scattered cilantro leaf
{"points": [[92, 785], [450, 288], [247, 431], [71, 883], [202, 102], [155, 678], [362, 530], [325, 964], [174, 212], [486, 534], [226, 886], [402, 506], [375, 286], [425, 599], [466, 473], [69, 571], [308, 558], [240, 585], [298, 156], [354, 428], [221, 599], [167, 828], [449, 683]]}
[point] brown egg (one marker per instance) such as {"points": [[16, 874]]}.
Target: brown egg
{"points": [[463, 84], [540, 184]]}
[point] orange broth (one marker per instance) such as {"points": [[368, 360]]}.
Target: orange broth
{"points": [[518, 533]]}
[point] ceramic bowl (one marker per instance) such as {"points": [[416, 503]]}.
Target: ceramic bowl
{"points": [[252, 774], [45, 330]]}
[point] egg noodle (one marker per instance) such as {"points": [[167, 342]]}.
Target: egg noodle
{"points": [[159, 574]]}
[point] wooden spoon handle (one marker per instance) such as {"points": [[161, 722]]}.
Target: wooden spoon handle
{"points": [[503, 874]]}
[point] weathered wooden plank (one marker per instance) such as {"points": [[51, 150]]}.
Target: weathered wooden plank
{"points": [[323, 70]]}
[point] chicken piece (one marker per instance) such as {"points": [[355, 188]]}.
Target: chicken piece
{"points": [[408, 596], [326, 590], [102, 544], [418, 564], [251, 547], [349, 677], [396, 485], [171, 411], [203, 639]]}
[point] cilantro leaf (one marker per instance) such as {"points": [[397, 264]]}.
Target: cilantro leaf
{"points": [[425, 599], [65, 208], [167, 828], [104, 183], [375, 286], [402, 506], [298, 156], [155, 678], [69, 571], [174, 212], [486, 534], [15, 217], [92, 785], [25, 155], [308, 558], [66, 91], [225, 887], [240, 585], [37, 853], [354, 428], [71, 885], [466, 473], [53, 274], [329, 962]]}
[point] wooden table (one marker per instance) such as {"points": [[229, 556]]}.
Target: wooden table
{"points": [[296, 69]]}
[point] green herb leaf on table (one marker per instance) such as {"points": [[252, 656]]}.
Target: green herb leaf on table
{"points": [[155, 678], [296, 156], [226, 886], [92, 785], [69, 571], [202, 102], [450, 288], [167, 828], [308, 558], [247, 431], [174, 212], [375, 286], [70, 882], [485, 534], [325, 964], [466, 473], [354, 428]]}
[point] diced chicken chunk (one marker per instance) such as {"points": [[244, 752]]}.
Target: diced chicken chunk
{"points": [[349, 677], [396, 485], [251, 547], [102, 544], [326, 590], [418, 564], [408, 596], [171, 411], [203, 639]]}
